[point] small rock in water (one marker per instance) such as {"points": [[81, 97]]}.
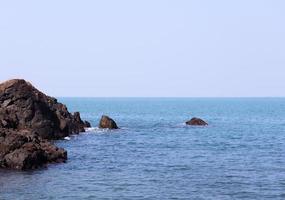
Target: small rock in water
{"points": [[196, 122], [107, 122]]}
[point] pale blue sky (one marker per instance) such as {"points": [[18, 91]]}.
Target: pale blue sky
{"points": [[145, 47]]}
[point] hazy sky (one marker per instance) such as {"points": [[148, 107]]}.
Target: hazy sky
{"points": [[145, 47]]}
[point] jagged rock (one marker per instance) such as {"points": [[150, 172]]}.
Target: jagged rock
{"points": [[22, 106], [26, 150], [107, 122], [27, 119], [87, 124], [196, 122]]}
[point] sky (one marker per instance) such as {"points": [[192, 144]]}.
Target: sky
{"points": [[145, 48]]}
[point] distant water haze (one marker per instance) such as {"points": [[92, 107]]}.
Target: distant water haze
{"points": [[145, 48]]}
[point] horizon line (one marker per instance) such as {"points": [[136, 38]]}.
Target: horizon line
{"points": [[179, 97]]}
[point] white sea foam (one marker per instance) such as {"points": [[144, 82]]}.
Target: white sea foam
{"points": [[96, 130], [182, 125], [67, 138]]}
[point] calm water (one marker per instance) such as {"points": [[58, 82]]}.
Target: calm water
{"points": [[240, 155]]}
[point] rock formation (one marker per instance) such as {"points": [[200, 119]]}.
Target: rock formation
{"points": [[24, 107], [107, 122], [196, 122], [26, 150], [27, 119]]}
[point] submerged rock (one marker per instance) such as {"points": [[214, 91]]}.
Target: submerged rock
{"points": [[26, 150], [107, 122], [22, 106], [196, 122]]}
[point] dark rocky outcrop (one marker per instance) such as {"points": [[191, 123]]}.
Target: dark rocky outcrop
{"points": [[196, 122], [87, 124], [24, 107], [107, 122], [26, 150], [28, 118]]}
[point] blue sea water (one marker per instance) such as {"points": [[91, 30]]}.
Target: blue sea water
{"points": [[240, 155]]}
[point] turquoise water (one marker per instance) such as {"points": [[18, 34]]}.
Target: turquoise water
{"points": [[240, 155]]}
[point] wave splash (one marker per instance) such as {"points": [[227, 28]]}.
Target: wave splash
{"points": [[96, 130]]}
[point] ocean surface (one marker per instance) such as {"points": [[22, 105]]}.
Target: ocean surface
{"points": [[240, 155]]}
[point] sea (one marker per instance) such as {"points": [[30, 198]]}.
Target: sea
{"points": [[154, 155]]}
